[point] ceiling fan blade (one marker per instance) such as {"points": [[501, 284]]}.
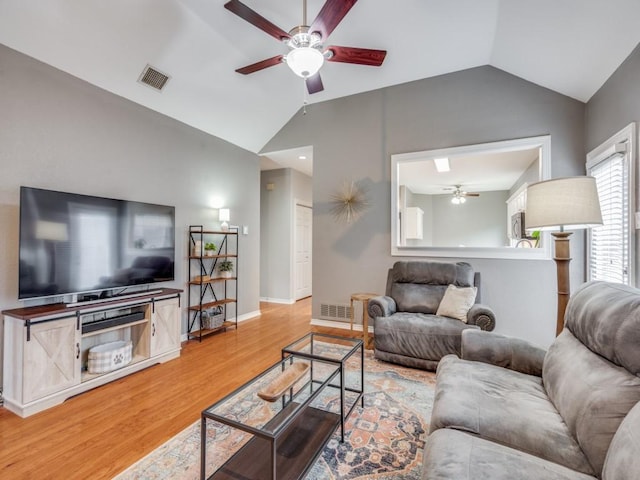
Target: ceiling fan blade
{"points": [[359, 56], [314, 84], [254, 67], [256, 19], [330, 16], [465, 194]]}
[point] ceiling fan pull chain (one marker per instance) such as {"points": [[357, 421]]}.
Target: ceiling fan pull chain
{"points": [[304, 96]]}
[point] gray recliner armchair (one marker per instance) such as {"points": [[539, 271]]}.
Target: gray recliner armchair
{"points": [[407, 329]]}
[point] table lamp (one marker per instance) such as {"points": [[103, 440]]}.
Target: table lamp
{"points": [[562, 204], [223, 216]]}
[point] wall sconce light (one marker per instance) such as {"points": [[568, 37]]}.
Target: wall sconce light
{"points": [[223, 216]]}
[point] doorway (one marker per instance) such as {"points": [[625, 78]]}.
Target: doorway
{"points": [[302, 251]]}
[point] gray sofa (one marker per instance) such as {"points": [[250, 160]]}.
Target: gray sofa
{"points": [[509, 410], [406, 328]]}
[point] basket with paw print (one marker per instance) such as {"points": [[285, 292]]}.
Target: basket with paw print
{"points": [[109, 356]]}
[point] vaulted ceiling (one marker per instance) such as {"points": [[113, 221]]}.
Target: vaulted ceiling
{"points": [[570, 46]]}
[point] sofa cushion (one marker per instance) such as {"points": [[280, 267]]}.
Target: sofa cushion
{"points": [[418, 335], [605, 317], [419, 286], [623, 457], [456, 302], [506, 407], [592, 394], [450, 454]]}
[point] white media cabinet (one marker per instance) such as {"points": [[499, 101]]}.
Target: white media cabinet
{"points": [[46, 347]]}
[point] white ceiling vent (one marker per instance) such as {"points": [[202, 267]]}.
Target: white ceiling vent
{"points": [[153, 78]]}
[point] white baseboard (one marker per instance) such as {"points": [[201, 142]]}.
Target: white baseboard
{"points": [[286, 301], [336, 324], [241, 318], [247, 316]]}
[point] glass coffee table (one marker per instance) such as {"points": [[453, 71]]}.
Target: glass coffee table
{"points": [[340, 351], [288, 412]]}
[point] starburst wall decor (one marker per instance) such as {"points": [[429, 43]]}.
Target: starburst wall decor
{"points": [[349, 202]]}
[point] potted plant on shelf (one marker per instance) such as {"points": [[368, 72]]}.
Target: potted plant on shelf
{"points": [[225, 268], [209, 249]]}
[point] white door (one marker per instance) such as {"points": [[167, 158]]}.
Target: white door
{"points": [[303, 251]]}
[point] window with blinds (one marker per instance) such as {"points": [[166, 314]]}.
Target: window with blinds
{"points": [[609, 244]]}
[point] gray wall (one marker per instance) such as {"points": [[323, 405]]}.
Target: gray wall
{"points": [[57, 132], [277, 210], [616, 104], [479, 222], [354, 137], [301, 188], [530, 175], [612, 108]]}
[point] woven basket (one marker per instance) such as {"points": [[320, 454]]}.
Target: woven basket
{"points": [[209, 322]]}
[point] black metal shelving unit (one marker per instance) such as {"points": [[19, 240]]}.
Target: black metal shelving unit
{"points": [[208, 291]]}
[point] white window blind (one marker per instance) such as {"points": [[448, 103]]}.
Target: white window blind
{"points": [[609, 244]]}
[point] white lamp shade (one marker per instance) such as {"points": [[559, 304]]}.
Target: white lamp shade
{"points": [[563, 203], [305, 61], [223, 215]]}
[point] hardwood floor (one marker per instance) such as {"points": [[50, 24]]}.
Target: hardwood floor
{"points": [[101, 432]]}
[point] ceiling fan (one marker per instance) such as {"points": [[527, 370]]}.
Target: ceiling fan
{"points": [[306, 51], [459, 195]]}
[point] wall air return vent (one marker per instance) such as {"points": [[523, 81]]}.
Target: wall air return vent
{"points": [[335, 312], [153, 78]]}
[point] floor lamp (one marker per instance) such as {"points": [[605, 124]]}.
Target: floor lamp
{"points": [[562, 204]]}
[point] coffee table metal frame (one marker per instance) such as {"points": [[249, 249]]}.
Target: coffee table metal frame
{"points": [[292, 414], [313, 354]]}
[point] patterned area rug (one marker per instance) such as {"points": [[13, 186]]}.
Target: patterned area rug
{"points": [[383, 440]]}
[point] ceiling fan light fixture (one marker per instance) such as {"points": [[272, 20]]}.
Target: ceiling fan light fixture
{"points": [[458, 199], [305, 61]]}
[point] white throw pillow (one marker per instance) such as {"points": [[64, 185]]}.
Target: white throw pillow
{"points": [[457, 301]]}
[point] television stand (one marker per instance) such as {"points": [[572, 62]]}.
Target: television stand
{"points": [[46, 348]]}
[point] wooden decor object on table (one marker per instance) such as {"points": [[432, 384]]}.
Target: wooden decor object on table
{"points": [[283, 382], [364, 299]]}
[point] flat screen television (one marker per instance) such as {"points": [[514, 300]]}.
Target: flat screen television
{"points": [[72, 243]]}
